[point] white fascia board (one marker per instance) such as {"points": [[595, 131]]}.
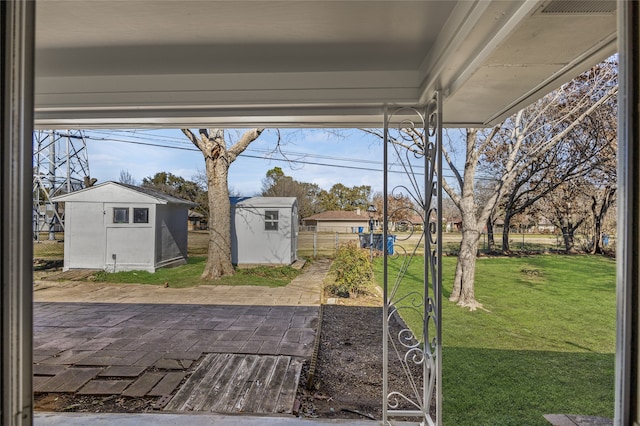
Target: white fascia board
{"points": [[478, 58], [606, 48], [282, 100], [460, 23]]}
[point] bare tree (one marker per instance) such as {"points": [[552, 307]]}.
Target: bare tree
{"points": [[539, 123], [567, 207], [402, 210], [603, 178], [126, 178], [218, 159], [584, 146]]}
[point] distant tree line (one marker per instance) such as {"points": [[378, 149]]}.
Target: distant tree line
{"points": [[311, 198]]}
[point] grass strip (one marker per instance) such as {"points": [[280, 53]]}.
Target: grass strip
{"points": [[189, 276], [545, 342]]}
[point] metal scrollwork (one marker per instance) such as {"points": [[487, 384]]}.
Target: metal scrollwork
{"points": [[412, 316]]}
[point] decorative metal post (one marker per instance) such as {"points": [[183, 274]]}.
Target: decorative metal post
{"points": [[412, 345], [371, 210]]}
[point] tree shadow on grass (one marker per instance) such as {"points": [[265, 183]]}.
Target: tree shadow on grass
{"points": [[510, 387]]}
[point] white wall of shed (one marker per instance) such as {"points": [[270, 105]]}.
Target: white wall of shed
{"points": [[252, 244]]}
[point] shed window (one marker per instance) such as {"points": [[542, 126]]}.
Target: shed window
{"points": [[120, 215], [271, 220], [140, 215]]}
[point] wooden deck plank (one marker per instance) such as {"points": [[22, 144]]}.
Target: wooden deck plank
{"points": [[220, 385], [198, 385], [238, 385], [251, 401], [289, 387], [272, 390]]}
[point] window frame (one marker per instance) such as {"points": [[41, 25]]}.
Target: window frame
{"points": [[121, 209], [271, 219], [146, 215]]}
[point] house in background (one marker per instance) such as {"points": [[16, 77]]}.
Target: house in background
{"points": [[338, 221], [119, 227], [264, 230], [453, 224], [197, 221]]}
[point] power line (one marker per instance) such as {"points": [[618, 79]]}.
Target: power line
{"points": [[294, 161], [246, 155], [183, 141]]}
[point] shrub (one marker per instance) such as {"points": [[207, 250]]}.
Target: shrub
{"points": [[353, 271]]}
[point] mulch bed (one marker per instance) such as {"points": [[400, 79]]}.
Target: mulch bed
{"points": [[347, 382]]}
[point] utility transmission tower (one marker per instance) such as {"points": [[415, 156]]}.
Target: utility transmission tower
{"points": [[60, 166]]}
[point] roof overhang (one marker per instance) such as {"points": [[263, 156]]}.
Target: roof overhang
{"points": [[176, 63]]}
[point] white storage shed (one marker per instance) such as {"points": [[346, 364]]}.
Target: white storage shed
{"points": [[264, 230], [119, 227]]}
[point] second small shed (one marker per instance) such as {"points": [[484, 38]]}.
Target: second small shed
{"points": [[264, 230]]}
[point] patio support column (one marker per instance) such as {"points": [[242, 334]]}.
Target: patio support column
{"points": [[413, 145], [17, 30], [627, 409]]}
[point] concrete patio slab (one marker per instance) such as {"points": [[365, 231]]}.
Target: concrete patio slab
{"points": [[144, 341]]}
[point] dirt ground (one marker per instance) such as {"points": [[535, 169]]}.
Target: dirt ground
{"points": [[348, 376]]}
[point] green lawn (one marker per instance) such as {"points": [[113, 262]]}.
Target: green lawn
{"points": [[189, 275], [545, 343]]}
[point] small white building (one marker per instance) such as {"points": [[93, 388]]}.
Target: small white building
{"points": [[338, 221], [119, 227], [264, 230]]}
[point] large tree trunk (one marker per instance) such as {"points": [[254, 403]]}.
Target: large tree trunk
{"points": [[596, 248], [491, 240], [463, 292], [219, 253], [506, 248], [568, 238], [217, 159], [599, 213]]}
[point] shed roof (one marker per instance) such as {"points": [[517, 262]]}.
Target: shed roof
{"points": [[146, 194], [262, 201], [333, 215]]}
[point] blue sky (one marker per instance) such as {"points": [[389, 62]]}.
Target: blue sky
{"points": [[324, 157], [321, 156]]}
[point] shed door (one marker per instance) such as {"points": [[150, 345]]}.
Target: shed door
{"points": [[86, 242]]}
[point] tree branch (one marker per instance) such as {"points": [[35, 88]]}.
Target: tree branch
{"points": [[242, 144], [194, 139]]}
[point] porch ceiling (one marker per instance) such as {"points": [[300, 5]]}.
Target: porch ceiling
{"points": [[167, 63]]}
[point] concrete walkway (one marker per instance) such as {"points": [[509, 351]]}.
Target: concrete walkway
{"points": [[304, 290]]}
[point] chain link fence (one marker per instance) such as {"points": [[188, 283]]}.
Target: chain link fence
{"points": [[324, 244]]}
